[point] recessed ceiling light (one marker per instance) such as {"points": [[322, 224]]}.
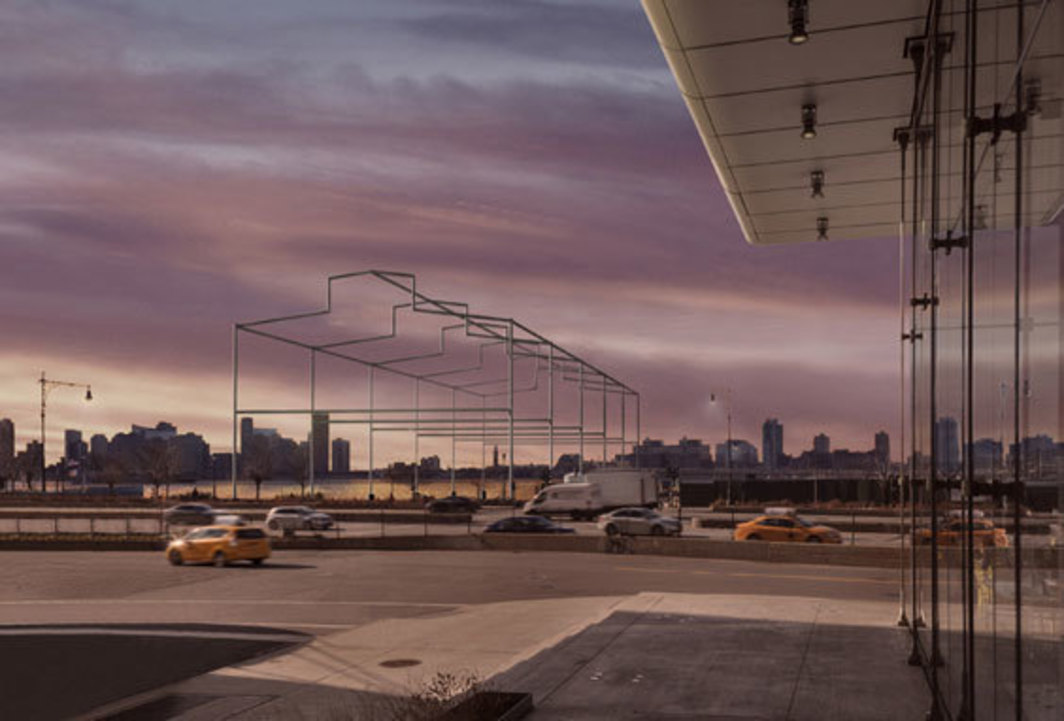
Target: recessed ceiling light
{"points": [[822, 228], [808, 121], [797, 16], [816, 183]]}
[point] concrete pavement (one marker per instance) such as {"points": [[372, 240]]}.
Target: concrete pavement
{"points": [[647, 656]]}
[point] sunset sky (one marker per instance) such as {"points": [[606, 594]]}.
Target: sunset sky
{"points": [[173, 167]]}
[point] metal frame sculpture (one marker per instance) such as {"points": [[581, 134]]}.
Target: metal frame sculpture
{"points": [[481, 416]]}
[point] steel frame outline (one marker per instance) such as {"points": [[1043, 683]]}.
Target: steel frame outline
{"points": [[520, 341]]}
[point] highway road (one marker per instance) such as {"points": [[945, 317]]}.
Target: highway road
{"points": [[115, 521], [112, 520]]}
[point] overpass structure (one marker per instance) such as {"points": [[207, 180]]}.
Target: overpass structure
{"points": [[435, 369]]}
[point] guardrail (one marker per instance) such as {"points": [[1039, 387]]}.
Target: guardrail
{"points": [[137, 524]]}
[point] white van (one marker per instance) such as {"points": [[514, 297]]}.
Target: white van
{"points": [[579, 500]]}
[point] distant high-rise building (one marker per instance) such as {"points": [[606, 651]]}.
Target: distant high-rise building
{"points": [[882, 448], [320, 432], [72, 445], [686, 453], [742, 454], [495, 457], [192, 455], [821, 444], [771, 443], [341, 456], [30, 460], [947, 444], [162, 431], [7, 448], [429, 466], [987, 454], [98, 446], [247, 430]]}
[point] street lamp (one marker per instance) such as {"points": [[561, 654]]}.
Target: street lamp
{"points": [[728, 446], [46, 386]]}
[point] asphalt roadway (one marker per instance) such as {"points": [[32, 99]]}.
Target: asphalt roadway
{"points": [[313, 590]]}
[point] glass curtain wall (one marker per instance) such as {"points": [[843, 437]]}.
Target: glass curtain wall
{"points": [[981, 159]]}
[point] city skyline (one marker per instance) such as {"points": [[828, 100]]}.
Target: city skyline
{"points": [[533, 177], [341, 448]]}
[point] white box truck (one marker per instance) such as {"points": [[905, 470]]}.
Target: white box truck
{"points": [[587, 495]]}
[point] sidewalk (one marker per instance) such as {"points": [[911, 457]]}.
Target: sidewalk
{"points": [[648, 656]]}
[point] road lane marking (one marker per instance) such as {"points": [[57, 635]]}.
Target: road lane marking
{"points": [[836, 579]]}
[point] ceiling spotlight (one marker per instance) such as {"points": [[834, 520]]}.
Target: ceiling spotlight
{"points": [[816, 182], [797, 16], [822, 228], [809, 121]]}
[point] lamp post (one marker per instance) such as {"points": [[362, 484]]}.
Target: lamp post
{"points": [[728, 445], [46, 386]]}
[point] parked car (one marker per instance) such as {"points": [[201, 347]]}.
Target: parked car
{"points": [[297, 518], [785, 527], [526, 524], [638, 522], [453, 504], [219, 545], [953, 531], [189, 514]]}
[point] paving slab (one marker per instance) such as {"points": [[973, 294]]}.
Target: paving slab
{"points": [[690, 658]]}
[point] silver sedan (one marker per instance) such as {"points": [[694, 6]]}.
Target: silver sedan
{"points": [[297, 518], [638, 522]]}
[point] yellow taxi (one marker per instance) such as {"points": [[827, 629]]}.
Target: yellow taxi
{"points": [[953, 531], [220, 545], [785, 527]]}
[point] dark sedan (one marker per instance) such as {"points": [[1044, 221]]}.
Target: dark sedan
{"points": [[189, 514], [453, 504], [526, 524]]}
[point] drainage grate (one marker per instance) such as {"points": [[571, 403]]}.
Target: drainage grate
{"points": [[400, 663]]}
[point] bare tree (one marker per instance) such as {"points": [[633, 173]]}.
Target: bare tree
{"points": [[300, 462], [259, 462], [111, 470], [158, 461], [885, 477], [28, 467]]}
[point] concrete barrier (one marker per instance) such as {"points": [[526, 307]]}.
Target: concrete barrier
{"points": [[53, 543], [805, 553], [255, 515]]}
